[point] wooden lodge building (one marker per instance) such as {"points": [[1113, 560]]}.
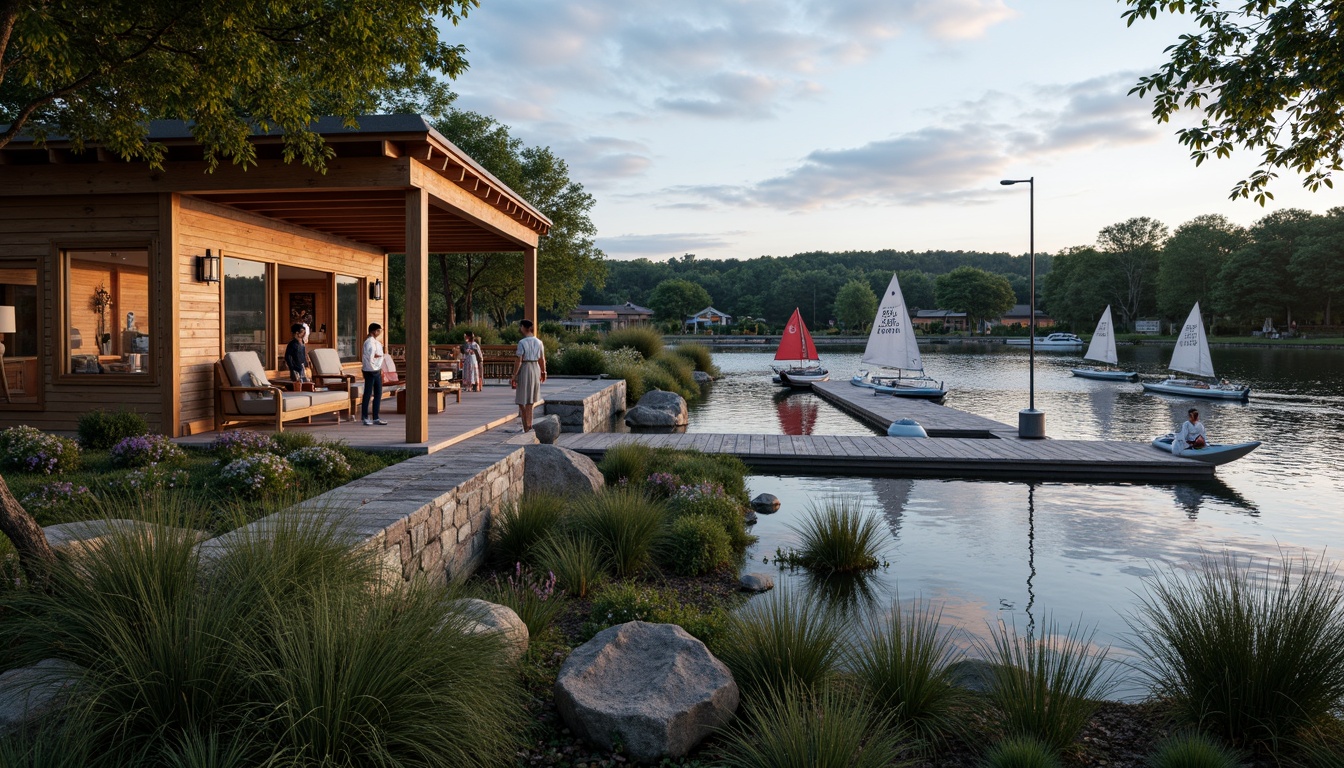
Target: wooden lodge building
{"points": [[129, 283]]}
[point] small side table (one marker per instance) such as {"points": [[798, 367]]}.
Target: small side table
{"points": [[438, 400]]}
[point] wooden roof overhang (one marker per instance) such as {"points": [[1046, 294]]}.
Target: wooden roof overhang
{"points": [[361, 196]]}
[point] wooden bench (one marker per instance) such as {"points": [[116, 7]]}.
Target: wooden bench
{"points": [[239, 402]]}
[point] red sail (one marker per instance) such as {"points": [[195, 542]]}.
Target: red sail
{"points": [[797, 342]]}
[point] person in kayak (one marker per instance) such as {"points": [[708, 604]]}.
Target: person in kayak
{"points": [[1191, 435]]}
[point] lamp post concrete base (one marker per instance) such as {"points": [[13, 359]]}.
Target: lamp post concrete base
{"points": [[1031, 424]]}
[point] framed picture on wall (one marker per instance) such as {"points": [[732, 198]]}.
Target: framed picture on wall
{"points": [[303, 308]]}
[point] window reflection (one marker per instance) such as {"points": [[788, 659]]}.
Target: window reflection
{"points": [[108, 316], [245, 306]]}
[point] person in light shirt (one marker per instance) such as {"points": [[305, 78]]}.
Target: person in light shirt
{"points": [[372, 366], [529, 371], [1191, 435]]}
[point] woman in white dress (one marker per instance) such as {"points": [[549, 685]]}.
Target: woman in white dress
{"points": [[529, 371], [1191, 435], [471, 363]]}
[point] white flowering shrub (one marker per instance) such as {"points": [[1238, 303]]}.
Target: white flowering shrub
{"points": [[257, 474], [324, 463]]}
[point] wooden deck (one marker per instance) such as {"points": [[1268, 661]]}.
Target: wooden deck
{"points": [[1064, 460]]}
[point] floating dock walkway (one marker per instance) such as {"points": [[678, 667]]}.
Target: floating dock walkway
{"points": [[960, 445]]}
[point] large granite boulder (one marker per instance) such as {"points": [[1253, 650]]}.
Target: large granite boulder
{"points": [[651, 687], [30, 694], [765, 503], [756, 582], [486, 618], [658, 409], [559, 471], [547, 428], [701, 377], [89, 535]]}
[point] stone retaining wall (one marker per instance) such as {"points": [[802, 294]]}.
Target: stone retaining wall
{"points": [[587, 409]]}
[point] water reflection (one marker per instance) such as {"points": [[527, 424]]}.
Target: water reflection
{"points": [[797, 412], [1193, 496]]}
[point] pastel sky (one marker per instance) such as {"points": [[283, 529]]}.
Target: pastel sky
{"points": [[740, 128]]}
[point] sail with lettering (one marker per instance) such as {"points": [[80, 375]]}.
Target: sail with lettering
{"points": [[1192, 347], [1102, 348], [892, 344], [797, 342]]}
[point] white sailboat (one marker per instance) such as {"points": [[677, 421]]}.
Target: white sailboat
{"points": [[1192, 356], [892, 345], [1102, 349]]}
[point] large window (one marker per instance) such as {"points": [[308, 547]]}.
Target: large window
{"points": [[108, 321], [21, 361], [245, 307], [348, 302]]}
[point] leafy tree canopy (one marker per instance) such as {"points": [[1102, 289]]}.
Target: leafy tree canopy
{"points": [[855, 304], [980, 294], [96, 72], [1265, 76], [1134, 246], [677, 299], [1191, 261]]}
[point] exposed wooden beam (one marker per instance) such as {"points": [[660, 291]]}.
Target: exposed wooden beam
{"points": [[390, 148]]}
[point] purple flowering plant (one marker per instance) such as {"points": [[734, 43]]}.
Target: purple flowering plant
{"points": [[28, 449], [155, 477], [146, 451], [532, 596], [238, 443], [54, 498], [662, 485]]}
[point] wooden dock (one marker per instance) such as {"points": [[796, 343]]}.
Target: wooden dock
{"points": [[881, 410]]}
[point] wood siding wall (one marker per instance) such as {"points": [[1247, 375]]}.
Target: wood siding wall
{"points": [[234, 233]]}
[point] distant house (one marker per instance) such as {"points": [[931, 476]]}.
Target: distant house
{"points": [[951, 321], [609, 316], [1020, 315], [707, 317]]}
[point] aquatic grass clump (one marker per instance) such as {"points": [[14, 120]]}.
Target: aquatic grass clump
{"points": [[1046, 687], [840, 536], [797, 728], [1021, 752], [520, 527], [902, 661], [625, 523], [576, 562], [699, 356], [1192, 750], [778, 640], [647, 341], [1252, 654]]}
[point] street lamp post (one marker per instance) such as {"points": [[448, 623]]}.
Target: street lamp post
{"points": [[1030, 422]]}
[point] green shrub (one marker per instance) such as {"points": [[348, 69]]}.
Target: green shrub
{"points": [[285, 443], [237, 443], [485, 333], [145, 451], [626, 462], [550, 344], [576, 562], [100, 430], [27, 449], [657, 377], [587, 337], [680, 369], [633, 374], [796, 728], [695, 544], [510, 334], [1192, 750], [1253, 657], [647, 341], [325, 464], [709, 500], [1021, 752], [693, 467], [520, 527], [530, 594], [776, 641], [257, 475], [552, 328], [625, 523], [1046, 687], [699, 357], [902, 661], [581, 360], [838, 537], [627, 601]]}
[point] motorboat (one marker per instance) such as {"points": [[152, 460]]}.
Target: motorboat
{"points": [[797, 347], [893, 347], [1192, 356], [1102, 349], [1061, 342], [1212, 453]]}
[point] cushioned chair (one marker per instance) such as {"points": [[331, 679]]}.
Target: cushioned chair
{"points": [[328, 372], [243, 394]]}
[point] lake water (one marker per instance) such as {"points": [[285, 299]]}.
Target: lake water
{"points": [[1024, 552]]}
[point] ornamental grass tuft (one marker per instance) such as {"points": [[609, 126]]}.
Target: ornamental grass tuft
{"points": [[797, 728], [517, 530], [1192, 750], [840, 536], [625, 524], [1253, 654], [1046, 687], [1021, 752], [778, 640], [626, 463], [695, 545], [699, 356], [576, 562], [531, 594], [902, 661], [581, 360], [647, 341]]}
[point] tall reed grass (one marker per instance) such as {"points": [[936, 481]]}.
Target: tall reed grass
{"points": [[1046, 687], [576, 562], [1252, 653], [625, 523], [699, 356], [521, 526], [839, 536], [777, 641], [797, 728]]}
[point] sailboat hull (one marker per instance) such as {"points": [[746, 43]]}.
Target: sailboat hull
{"points": [[802, 378], [1192, 388], [1104, 375], [901, 387], [1214, 453]]}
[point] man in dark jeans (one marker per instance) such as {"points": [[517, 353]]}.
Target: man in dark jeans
{"points": [[296, 353], [372, 365]]}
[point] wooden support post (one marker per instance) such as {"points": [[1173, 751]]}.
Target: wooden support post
{"points": [[417, 316], [530, 284], [168, 351]]}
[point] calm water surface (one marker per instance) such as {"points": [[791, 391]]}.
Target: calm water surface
{"points": [[1026, 553]]}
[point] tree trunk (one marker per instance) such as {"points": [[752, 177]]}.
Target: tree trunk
{"points": [[36, 557], [447, 289]]}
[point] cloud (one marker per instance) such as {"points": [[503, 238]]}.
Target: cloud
{"points": [[663, 244]]}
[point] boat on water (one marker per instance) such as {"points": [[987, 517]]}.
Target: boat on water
{"points": [[1212, 453], [1102, 349], [892, 345], [1192, 356], [1055, 341], [797, 348]]}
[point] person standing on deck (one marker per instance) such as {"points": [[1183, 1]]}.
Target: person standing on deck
{"points": [[372, 365], [529, 371], [1190, 435], [471, 362], [296, 353]]}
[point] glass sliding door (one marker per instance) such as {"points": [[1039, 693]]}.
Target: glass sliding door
{"points": [[348, 318], [245, 292]]}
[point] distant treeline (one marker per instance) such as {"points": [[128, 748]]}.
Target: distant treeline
{"points": [[770, 287]]}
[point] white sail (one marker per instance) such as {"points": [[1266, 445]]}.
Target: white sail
{"points": [[1192, 348], [892, 344], [1102, 347]]}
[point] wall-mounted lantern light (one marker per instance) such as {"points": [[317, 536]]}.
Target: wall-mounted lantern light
{"points": [[207, 268], [376, 290]]}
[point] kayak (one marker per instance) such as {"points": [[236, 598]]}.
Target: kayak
{"points": [[1213, 453]]}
